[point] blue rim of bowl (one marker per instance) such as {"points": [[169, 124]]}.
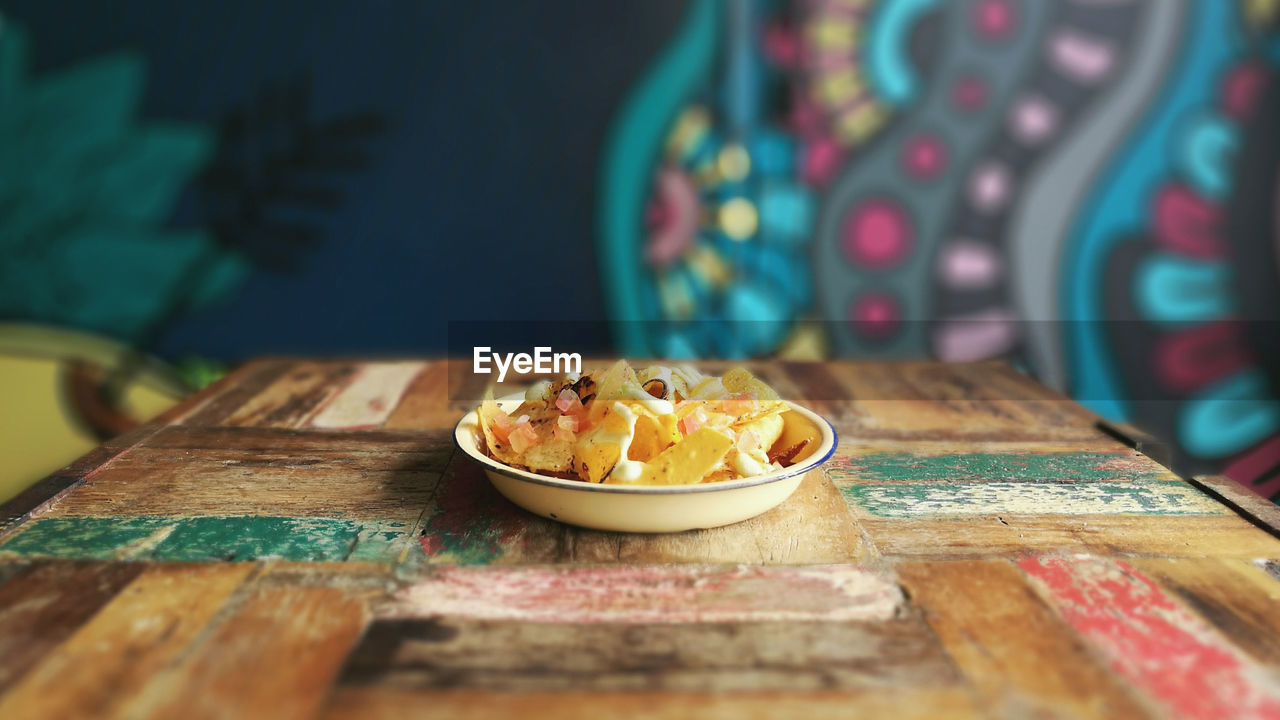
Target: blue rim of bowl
{"points": [[583, 486]]}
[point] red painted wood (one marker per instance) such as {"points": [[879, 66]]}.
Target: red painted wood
{"points": [[1158, 645]]}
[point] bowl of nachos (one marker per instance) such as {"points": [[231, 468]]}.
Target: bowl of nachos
{"points": [[659, 449]]}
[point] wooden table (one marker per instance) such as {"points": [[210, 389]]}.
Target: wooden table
{"points": [[301, 540]]}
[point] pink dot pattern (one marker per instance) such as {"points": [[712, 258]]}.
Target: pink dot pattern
{"points": [[1033, 120], [990, 187], [875, 314], [877, 234], [969, 93], [995, 19], [969, 265], [924, 156]]}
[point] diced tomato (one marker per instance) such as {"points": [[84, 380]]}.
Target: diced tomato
{"points": [[568, 422], [568, 402], [739, 404], [562, 432], [523, 437], [690, 423], [502, 425]]}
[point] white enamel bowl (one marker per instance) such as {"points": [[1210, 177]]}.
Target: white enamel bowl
{"points": [[642, 508]]}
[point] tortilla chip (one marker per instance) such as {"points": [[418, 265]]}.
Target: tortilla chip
{"points": [[688, 461], [551, 455], [596, 452], [651, 372], [651, 437], [679, 387], [726, 407], [610, 385], [485, 414], [797, 429], [766, 429], [740, 382], [709, 388], [719, 475]]}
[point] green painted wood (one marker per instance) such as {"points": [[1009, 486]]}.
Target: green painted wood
{"points": [[878, 468], [929, 499], [254, 538], [85, 538], [211, 539]]}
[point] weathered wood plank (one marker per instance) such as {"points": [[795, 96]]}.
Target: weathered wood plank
{"points": [[44, 604], [1154, 642], [813, 526], [21, 507], [929, 499], [435, 445], [294, 396], [95, 459], [369, 398], [229, 393], [960, 400], [354, 577], [115, 538], [1235, 596], [814, 385], [931, 481], [469, 523], [517, 656], [669, 594], [869, 462], [1246, 502], [1010, 646], [47, 492], [1182, 536], [110, 658], [858, 445], [275, 656], [10, 569], [238, 471], [235, 376], [211, 539], [379, 703], [425, 405], [774, 373]]}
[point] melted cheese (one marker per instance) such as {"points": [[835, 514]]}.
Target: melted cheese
{"points": [[657, 406], [626, 470]]}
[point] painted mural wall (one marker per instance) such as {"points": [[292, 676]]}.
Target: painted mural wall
{"points": [[1085, 188], [184, 186]]}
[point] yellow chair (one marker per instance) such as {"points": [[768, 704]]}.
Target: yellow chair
{"points": [[51, 411]]}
